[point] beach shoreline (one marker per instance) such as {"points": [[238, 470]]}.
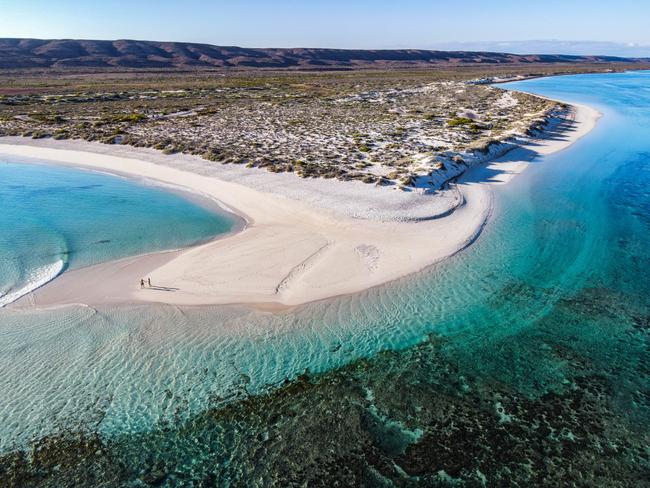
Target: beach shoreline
{"points": [[301, 242]]}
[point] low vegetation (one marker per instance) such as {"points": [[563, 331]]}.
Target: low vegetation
{"points": [[389, 127]]}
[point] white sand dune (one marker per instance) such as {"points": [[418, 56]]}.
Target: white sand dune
{"points": [[300, 243]]}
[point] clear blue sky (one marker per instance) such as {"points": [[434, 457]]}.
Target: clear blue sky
{"points": [[332, 23]]}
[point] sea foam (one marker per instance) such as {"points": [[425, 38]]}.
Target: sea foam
{"points": [[36, 278]]}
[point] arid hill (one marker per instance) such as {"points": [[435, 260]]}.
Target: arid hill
{"points": [[68, 53]]}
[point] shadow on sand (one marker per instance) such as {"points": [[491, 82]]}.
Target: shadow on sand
{"points": [[162, 288]]}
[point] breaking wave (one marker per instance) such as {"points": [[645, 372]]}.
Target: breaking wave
{"points": [[36, 278]]}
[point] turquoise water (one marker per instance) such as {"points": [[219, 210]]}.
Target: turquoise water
{"points": [[522, 361], [56, 218]]}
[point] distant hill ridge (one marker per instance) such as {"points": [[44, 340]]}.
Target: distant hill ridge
{"points": [[71, 53]]}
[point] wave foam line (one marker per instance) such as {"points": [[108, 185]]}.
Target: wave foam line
{"points": [[38, 277]]}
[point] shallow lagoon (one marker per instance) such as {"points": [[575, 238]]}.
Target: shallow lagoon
{"points": [[523, 359], [57, 218]]}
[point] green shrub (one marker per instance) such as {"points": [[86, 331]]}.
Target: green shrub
{"points": [[457, 121], [133, 118]]}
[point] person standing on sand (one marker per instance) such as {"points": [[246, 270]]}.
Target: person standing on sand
{"points": [[149, 281], [141, 283]]}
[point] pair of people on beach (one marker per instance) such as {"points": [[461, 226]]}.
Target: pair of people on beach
{"points": [[142, 283]]}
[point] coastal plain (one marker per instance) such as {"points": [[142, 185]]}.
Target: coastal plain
{"points": [[344, 181]]}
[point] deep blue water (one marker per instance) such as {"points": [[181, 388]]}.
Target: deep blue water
{"points": [[55, 218], [522, 361]]}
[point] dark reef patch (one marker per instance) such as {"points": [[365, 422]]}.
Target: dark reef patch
{"points": [[425, 416]]}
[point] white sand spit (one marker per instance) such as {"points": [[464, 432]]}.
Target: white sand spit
{"points": [[296, 247]]}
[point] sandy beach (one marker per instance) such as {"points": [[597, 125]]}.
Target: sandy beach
{"points": [[304, 240]]}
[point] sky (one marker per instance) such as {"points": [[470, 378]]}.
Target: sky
{"points": [[574, 26]]}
